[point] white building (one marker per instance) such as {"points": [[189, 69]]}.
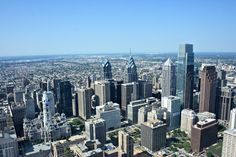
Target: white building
{"points": [[229, 143], [110, 112], [173, 105], [188, 118], [133, 108], [232, 122]]}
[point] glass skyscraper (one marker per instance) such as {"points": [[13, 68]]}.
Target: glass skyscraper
{"points": [[132, 75], [107, 74], [185, 75]]}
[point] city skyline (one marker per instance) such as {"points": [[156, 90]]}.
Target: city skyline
{"points": [[48, 28]]}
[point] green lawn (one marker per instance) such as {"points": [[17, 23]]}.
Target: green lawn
{"points": [[215, 150]]}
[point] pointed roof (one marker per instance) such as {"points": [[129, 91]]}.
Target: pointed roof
{"points": [[106, 63], [168, 62]]}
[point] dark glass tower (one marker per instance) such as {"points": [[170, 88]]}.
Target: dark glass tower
{"points": [[132, 75], [65, 101], [107, 74], [185, 75]]}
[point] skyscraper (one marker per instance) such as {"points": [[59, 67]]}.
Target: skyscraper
{"points": [[103, 91], [107, 74], [208, 89], [185, 75], [132, 75], [168, 78], [65, 101], [226, 102], [145, 89], [126, 145], [84, 102], [129, 92]]}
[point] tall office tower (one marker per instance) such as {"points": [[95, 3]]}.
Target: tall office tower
{"points": [[208, 89], [29, 108], [129, 92], [84, 102], [168, 78], [107, 74], [145, 89], [8, 145], [226, 102], [132, 75], [88, 82], [56, 85], [203, 134], [221, 78], [96, 129], [173, 106], [153, 135], [188, 118], [232, 122], [185, 75], [229, 143], [132, 110], [18, 95], [110, 112], [102, 90], [117, 90], [65, 101], [126, 145]]}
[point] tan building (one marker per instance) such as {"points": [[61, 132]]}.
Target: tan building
{"points": [[84, 102], [188, 118], [102, 90], [125, 144]]}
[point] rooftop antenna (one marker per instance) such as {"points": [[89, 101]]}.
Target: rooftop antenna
{"points": [[130, 51]]}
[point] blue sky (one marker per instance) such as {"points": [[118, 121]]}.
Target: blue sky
{"points": [[32, 27]]}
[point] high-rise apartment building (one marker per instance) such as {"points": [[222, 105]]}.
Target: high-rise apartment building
{"points": [[168, 78], [185, 75], [208, 89]]}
